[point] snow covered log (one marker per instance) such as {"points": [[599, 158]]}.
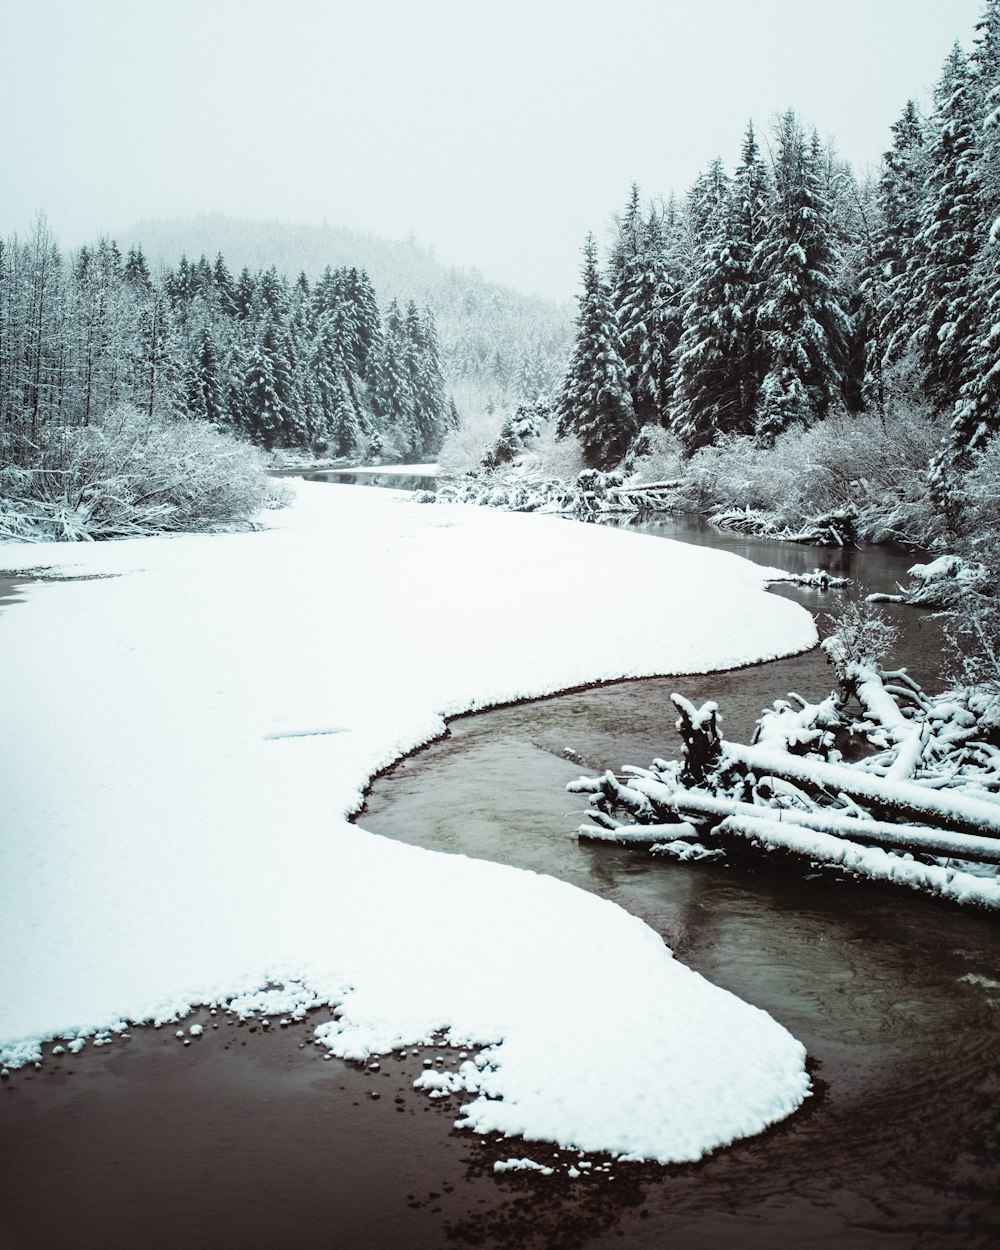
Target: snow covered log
{"points": [[912, 838], [946, 808], [927, 791], [870, 863], [831, 529], [695, 813], [946, 582]]}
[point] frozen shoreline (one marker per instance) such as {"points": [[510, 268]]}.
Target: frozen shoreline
{"points": [[178, 803]]}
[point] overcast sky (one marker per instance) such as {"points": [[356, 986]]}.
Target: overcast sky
{"points": [[497, 131]]}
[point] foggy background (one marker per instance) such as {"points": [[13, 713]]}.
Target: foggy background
{"points": [[496, 131]]}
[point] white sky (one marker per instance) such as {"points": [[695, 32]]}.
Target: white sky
{"points": [[498, 131]]}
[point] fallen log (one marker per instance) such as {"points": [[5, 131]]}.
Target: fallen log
{"points": [[699, 815], [907, 800], [912, 838], [871, 863]]}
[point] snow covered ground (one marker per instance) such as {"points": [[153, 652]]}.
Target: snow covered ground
{"points": [[184, 732]]}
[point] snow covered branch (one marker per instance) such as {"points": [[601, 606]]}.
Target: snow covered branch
{"points": [[878, 780]]}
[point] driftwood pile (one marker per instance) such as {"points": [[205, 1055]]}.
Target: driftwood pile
{"points": [[878, 780], [593, 494]]}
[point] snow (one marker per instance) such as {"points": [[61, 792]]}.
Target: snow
{"points": [[187, 724], [522, 1165]]}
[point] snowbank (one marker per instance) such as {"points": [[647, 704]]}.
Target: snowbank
{"points": [[183, 735]]}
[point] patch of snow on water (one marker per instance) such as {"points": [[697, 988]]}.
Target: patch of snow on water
{"points": [[175, 827], [521, 1165]]}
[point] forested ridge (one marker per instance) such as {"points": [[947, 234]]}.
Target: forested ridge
{"points": [[496, 344], [784, 343]]}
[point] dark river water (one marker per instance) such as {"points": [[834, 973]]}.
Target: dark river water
{"points": [[895, 996]]}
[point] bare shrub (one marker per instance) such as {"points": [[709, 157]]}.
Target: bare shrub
{"points": [[126, 474], [655, 456], [875, 466], [860, 634]]}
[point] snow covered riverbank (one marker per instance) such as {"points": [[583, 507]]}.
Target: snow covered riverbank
{"points": [[181, 742]]}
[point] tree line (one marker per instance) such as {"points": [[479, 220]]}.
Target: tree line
{"points": [[284, 363], [770, 297]]}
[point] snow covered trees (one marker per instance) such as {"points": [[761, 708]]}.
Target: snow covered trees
{"points": [[729, 313], [647, 295], [595, 404], [963, 246], [279, 362], [803, 324], [788, 292], [106, 368], [713, 356]]}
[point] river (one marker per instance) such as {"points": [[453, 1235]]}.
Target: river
{"points": [[896, 996]]}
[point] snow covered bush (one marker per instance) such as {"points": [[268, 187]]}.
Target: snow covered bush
{"points": [[520, 430], [655, 456], [974, 635], [871, 466], [463, 449], [861, 634], [127, 474], [553, 457], [980, 488]]}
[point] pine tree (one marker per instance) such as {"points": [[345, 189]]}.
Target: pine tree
{"points": [[709, 359], [366, 319], [271, 294], [974, 334], [649, 324], [945, 297], [426, 382], [262, 401], [627, 251], [748, 232], [905, 168], [290, 384], [803, 323], [344, 427], [595, 404], [392, 396], [137, 271], [324, 367], [225, 287], [246, 290], [205, 396]]}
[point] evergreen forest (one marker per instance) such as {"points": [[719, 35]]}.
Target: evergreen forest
{"points": [[290, 364], [789, 291]]}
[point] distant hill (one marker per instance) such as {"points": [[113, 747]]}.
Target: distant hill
{"points": [[496, 343]]}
